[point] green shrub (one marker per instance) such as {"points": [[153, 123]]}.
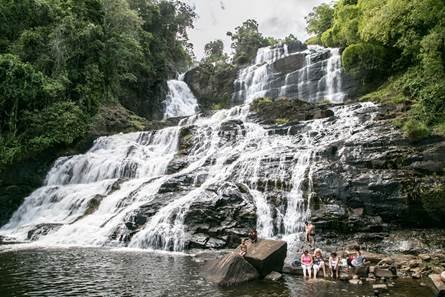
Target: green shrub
{"points": [[415, 129], [365, 61], [281, 121], [260, 103]]}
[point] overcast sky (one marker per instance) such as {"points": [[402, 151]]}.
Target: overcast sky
{"points": [[277, 18]]}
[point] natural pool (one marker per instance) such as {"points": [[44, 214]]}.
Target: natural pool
{"points": [[105, 272]]}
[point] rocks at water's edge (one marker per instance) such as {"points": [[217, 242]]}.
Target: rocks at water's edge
{"points": [[231, 270], [263, 259]]}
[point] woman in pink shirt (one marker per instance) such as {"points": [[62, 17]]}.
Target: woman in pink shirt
{"points": [[306, 263]]}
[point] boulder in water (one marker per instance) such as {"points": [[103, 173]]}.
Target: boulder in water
{"points": [[231, 270], [274, 276], [267, 255]]}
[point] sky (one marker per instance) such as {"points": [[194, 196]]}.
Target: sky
{"points": [[276, 18]]}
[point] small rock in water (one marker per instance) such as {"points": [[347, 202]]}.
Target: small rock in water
{"points": [[355, 282], [274, 276], [380, 287]]}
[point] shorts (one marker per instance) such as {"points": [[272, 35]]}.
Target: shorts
{"points": [[318, 266], [306, 268]]}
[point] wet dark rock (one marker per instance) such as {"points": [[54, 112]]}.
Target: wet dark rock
{"points": [[42, 230], [290, 63], [291, 111], [212, 84], [220, 218], [176, 184], [231, 270], [274, 276]]}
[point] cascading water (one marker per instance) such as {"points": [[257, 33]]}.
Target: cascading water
{"points": [[180, 101], [90, 197], [117, 193], [312, 75]]}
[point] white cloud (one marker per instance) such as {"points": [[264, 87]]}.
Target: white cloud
{"points": [[277, 18]]}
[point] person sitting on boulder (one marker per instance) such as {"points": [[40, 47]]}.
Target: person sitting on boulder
{"points": [[306, 263], [357, 259], [253, 235], [318, 263], [243, 248], [310, 233], [334, 263]]}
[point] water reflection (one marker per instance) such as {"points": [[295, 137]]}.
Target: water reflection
{"points": [[98, 272]]}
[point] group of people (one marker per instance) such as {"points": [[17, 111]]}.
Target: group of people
{"points": [[315, 262]]}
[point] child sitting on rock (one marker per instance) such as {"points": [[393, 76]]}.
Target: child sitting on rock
{"points": [[334, 263], [243, 248]]}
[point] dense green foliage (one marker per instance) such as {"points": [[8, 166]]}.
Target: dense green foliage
{"points": [[383, 38], [61, 59], [214, 51], [246, 40]]}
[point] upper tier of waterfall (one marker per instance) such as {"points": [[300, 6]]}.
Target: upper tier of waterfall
{"points": [[180, 101], [312, 75]]}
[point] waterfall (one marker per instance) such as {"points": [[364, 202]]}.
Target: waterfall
{"points": [[312, 75], [90, 197], [180, 101], [117, 193]]}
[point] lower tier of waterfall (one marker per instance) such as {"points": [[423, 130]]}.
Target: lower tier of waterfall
{"points": [[201, 184]]}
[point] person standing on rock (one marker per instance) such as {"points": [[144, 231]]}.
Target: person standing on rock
{"points": [[306, 263], [310, 233]]}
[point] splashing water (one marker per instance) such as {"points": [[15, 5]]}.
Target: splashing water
{"points": [[90, 197], [180, 101], [317, 79]]}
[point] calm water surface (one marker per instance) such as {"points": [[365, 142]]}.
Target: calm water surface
{"points": [[102, 272]]}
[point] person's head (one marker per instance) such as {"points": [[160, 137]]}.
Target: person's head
{"points": [[317, 252], [306, 252], [244, 241], [334, 255], [357, 248], [306, 223]]}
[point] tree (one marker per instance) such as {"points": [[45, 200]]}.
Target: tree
{"points": [[320, 19], [246, 41], [214, 51]]}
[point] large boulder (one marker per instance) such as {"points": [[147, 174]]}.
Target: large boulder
{"points": [[230, 270], [267, 256], [212, 84]]}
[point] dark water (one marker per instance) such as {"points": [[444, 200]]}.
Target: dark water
{"points": [[99, 272]]}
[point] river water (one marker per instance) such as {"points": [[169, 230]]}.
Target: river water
{"points": [[105, 272]]}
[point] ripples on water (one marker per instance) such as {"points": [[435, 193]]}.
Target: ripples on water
{"points": [[100, 272]]}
